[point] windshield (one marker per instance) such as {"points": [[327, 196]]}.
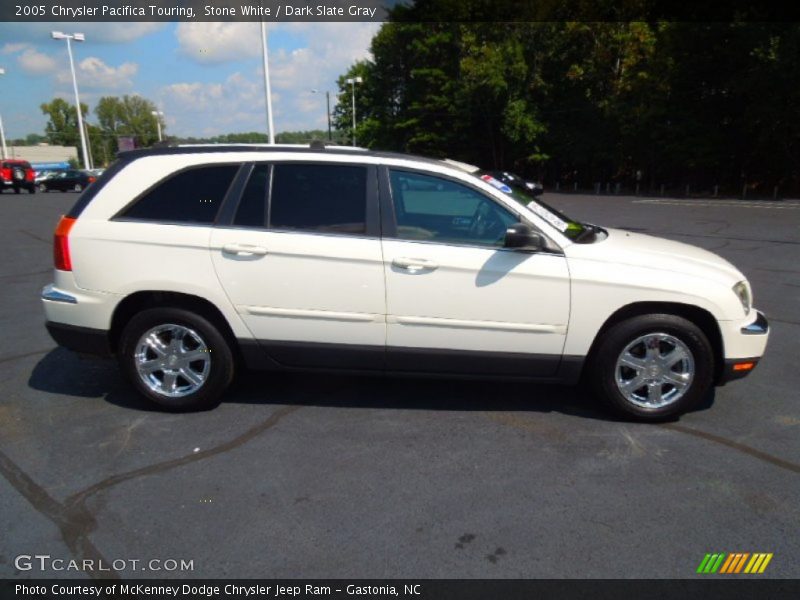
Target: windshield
{"points": [[569, 227]]}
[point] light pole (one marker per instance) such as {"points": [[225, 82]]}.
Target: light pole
{"points": [[267, 91], [3, 133], [88, 137], [328, 104], [158, 114], [353, 81], [78, 37]]}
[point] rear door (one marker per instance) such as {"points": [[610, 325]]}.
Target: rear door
{"points": [[301, 261]]}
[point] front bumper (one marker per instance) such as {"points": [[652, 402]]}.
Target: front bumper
{"points": [[758, 327], [744, 347]]}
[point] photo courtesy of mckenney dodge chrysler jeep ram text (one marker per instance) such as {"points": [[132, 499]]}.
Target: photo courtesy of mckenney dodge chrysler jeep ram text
{"points": [[190, 262]]}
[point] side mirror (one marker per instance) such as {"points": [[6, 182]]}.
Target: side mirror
{"points": [[520, 235]]}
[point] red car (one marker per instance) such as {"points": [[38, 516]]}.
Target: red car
{"points": [[17, 174]]}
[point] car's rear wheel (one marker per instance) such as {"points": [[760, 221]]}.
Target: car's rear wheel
{"points": [[176, 358], [652, 367], [78, 187], [43, 188]]}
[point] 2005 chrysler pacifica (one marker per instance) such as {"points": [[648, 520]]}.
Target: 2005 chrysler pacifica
{"points": [[187, 262]]}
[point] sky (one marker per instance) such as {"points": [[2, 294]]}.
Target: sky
{"points": [[207, 78]]}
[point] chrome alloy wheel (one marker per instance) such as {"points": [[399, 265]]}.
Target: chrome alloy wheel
{"points": [[172, 360], [654, 370]]}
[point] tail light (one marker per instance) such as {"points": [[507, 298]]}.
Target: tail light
{"points": [[61, 257], [91, 179]]}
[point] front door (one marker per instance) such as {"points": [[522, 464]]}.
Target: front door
{"points": [[457, 301]]}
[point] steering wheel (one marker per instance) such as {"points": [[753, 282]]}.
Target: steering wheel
{"points": [[484, 220]]}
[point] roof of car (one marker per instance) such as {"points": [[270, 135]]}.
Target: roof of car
{"points": [[313, 148]]}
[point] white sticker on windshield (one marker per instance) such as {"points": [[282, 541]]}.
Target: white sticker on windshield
{"points": [[541, 211]]}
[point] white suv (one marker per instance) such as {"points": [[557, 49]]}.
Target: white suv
{"points": [[189, 262]]}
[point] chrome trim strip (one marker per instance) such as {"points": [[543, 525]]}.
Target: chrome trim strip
{"points": [[758, 327], [49, 292], [469, 324], [324, 315]]}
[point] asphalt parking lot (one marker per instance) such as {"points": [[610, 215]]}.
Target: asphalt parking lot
{"points": [[334, 476]]}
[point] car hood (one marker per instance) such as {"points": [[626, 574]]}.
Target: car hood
{"points": [[629, 248]]}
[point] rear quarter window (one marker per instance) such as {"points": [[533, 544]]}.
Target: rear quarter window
{"points": [[190, 196]]}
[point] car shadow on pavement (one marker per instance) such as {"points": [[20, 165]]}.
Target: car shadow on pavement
{"points": [[64, 373]]}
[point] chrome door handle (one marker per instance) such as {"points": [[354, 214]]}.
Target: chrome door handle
{"points": [[415, 264], [244, 250]]}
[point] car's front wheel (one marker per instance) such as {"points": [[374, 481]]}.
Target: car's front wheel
{"points": [[176, 358], [652, 367]]}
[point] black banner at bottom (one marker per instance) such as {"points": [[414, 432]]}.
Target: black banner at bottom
{"points": [[408, 589]]}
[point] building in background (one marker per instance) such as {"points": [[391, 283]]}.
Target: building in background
{"points": [[45, 156]]}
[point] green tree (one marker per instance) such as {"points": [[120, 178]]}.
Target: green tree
{"points": [[596, 99], [129, 116], [32, 139], [62, 125], [343, 110]]}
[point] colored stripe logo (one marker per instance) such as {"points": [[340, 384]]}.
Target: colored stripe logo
{"points": [[734, 563]]}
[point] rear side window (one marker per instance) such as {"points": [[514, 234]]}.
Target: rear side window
{"points": [[253, 204], [325, 198], [191, 196]]}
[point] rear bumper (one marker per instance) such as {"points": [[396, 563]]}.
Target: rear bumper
{"points": [[83, 340], [78, 319]]}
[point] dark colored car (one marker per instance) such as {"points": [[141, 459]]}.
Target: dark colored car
{"points": [[532, 188], [18, 175], [67, 180]]}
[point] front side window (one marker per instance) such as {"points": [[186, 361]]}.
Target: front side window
{"points": [[191, 196], [436, 209], [321, 198]]}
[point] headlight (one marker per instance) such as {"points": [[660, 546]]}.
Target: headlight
{"points": [[742, 291]]}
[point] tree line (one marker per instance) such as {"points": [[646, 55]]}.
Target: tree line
{"points": [[132, 116], [633, 103], [126, 116]]}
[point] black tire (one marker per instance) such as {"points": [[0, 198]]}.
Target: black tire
{"points": [[32, 189], [221, 358], [78, 188], [602, 370], [17, 190]]}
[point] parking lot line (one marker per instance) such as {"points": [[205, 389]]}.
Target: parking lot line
{"points": [[724, 203]]}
